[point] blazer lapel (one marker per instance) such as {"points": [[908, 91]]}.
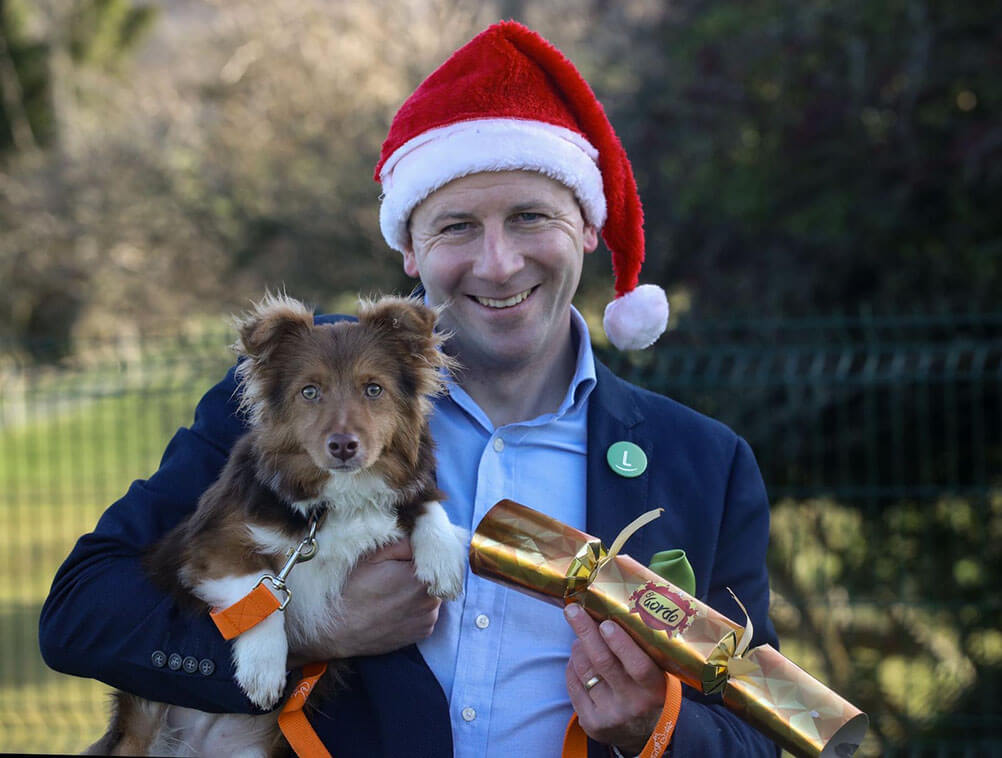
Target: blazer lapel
{"points": [[612, 500]]}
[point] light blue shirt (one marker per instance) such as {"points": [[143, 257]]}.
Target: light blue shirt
{"points": [[500, 655]]}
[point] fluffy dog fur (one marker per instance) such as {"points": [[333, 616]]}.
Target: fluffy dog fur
{"points": [[338, 426]]}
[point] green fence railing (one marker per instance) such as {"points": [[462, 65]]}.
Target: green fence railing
{"points": [[880, 441]]}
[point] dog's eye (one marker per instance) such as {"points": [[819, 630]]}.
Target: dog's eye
{"points": [[310, 392], [373, 390]]}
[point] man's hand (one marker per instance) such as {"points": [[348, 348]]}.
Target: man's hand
{"points": [[385, 608], [623, 708]]}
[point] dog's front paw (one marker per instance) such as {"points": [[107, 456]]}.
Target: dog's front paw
{"points": [[439, 553], [264, 684], [443, 573], [260, 654]]}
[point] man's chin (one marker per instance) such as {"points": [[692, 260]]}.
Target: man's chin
{"points": [[497, 352]]}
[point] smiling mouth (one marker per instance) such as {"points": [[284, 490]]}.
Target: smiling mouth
{"points": [[508, 302]]}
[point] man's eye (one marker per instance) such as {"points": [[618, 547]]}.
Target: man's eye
{"points": [[373, 390], [529, 217], [310, 392], [457, 228]]}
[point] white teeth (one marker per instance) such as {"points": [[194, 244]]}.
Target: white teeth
{"points": [[506, 303]]}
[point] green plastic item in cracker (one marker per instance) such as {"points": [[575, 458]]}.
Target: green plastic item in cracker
{"points": [[673, 566]]}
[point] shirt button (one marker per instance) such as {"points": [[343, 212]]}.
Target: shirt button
{"points": [[482, 621], [498, 444], [468, 714], [159, 658], [206, 666], [190, 664], [174, 662]]}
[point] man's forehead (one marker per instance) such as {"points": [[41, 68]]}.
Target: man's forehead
{"points": [[513, 191]]}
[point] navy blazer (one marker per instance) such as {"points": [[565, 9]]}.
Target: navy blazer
{"points": [[105, 620]]}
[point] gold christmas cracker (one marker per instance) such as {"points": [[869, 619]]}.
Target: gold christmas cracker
{"points": [[531, 552]]}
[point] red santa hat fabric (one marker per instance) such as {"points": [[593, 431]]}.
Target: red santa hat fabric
{"points": [[509, 100]]}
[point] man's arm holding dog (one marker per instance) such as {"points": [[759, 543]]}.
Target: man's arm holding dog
{"points": [[382, 586], [105, 619]]}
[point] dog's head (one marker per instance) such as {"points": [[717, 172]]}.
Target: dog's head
{"points": [[340, 397]]}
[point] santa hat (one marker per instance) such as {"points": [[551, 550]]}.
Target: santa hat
{"points": [[509, 100]]}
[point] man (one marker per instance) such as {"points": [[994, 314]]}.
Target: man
{"points": [[498, 174]]}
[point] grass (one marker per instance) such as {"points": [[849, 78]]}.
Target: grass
{"points": [[71, 442]]}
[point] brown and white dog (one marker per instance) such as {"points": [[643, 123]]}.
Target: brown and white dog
{"points": [[338, 432]]}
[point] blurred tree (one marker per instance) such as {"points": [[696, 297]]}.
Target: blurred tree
{"points": [[805, 156], [104, 32], [237, 155], [915, 648], [24, 115], [793, 157], [40, 256], [99, 32]]}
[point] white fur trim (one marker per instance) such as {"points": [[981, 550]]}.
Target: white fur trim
{"points": [[436, 157], [635, 320]]}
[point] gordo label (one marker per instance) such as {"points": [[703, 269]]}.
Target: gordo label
{"points": [[662, 608]]}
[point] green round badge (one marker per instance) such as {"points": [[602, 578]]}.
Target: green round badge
{"points": [[626, 459]]}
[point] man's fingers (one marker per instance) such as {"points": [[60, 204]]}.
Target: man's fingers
{"points": [[624, 706], [580, 666], [583, 704], [604, 662], [635, 662], [395, 551], [610, 652]]}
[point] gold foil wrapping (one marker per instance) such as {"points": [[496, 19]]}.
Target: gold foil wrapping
{"points": [[525, 549]]}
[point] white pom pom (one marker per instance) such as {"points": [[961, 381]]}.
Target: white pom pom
{"points": [[635, 320]]}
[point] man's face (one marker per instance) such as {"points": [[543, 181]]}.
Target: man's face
{"points": [[504, 250]]}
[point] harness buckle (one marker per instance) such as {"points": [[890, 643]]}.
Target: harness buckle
{"points": [[304, 551], [279, 585]]}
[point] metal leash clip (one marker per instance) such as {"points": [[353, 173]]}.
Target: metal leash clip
{"points": [[303, 552]]}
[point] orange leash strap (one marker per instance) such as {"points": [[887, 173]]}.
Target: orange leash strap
{"points": [[661, 737], [576, 741], [293, 722], [246, 613]]}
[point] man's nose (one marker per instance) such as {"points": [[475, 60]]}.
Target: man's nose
{"points": [[500, 258]]}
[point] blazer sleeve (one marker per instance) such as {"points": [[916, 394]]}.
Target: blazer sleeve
{"points": [[104, 618], [705, 726]]}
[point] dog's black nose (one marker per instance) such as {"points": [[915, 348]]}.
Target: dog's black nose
{"points": [[342, 446]]}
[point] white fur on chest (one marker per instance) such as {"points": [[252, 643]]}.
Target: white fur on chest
{"points": [[361, 518]]}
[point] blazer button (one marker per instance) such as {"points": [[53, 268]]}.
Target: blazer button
{"points": [[159, 658], [190, 664], [174, 662], [206, 666]]}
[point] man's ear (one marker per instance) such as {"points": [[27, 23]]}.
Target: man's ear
{"points": [[590, 238], [410, 261]]}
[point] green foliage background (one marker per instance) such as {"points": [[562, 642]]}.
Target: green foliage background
{"points": [[816, 156], [162, 162]]}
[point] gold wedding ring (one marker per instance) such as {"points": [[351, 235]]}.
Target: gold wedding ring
{"points": [[592, 682]]}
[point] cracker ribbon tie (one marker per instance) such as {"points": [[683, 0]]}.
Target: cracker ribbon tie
{"points": [[726, 659], [593, 556]]}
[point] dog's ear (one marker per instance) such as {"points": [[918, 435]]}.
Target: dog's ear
{"points": [[268, 323], [399, 315], [411, 322]]}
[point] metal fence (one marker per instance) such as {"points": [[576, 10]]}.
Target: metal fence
{"points": [[880, 441]]}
